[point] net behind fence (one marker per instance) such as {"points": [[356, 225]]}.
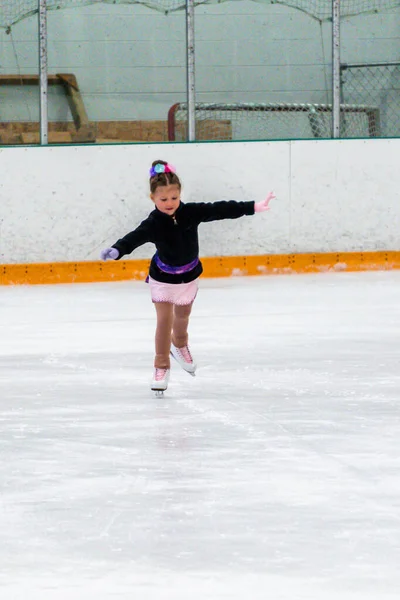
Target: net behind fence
{"points": [[246, 121], [12, 11], [376, 84]]}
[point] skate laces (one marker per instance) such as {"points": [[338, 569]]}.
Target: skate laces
{"points": [[185, 353], [160, 374]]}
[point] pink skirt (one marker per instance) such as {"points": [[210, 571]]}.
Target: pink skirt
{"points": [[175, 293]]}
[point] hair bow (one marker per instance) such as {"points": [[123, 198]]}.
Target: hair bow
{"points": [[160, 168]]}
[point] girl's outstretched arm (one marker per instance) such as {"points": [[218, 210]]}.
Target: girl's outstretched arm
{"points": [[129, 242], [231, 209], [216, 211]]}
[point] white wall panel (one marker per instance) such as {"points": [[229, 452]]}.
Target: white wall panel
{"points": [[345, 195], [66, 203]]}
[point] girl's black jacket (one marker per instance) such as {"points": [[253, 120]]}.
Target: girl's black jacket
{"points": [[176, 237]]}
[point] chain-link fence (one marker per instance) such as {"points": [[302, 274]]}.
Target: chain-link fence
{"points": [[376, 85]]}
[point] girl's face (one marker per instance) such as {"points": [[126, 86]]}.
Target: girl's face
{"points": [[167, 198]]}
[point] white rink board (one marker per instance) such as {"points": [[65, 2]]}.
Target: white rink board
{"points": [[66, 203], [345, 196]]}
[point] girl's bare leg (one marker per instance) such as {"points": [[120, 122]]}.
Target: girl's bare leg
{"points": [[164, 312], [180, 325]]}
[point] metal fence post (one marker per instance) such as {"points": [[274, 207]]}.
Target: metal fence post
{"points": [[336, 68], [191, 94], [43, 83]]}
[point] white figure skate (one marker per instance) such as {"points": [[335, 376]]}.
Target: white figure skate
{"points": [[184, 358], [160, 381]]}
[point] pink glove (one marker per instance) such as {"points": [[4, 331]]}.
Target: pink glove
{"points": [[109, 253], [263, 205]]}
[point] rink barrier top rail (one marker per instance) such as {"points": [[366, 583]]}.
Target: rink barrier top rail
{"points": [[220, 266]]}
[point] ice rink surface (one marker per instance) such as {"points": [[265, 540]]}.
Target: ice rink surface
{"points": [[272, 475]]}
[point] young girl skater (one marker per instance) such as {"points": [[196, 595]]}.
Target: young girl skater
{"points": [[175, 267]]}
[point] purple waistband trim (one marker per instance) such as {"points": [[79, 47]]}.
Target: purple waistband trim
{"points": [[175, 270]]}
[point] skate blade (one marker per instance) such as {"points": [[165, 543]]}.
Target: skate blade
{"points": [[158, 393], [158, 388]]}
